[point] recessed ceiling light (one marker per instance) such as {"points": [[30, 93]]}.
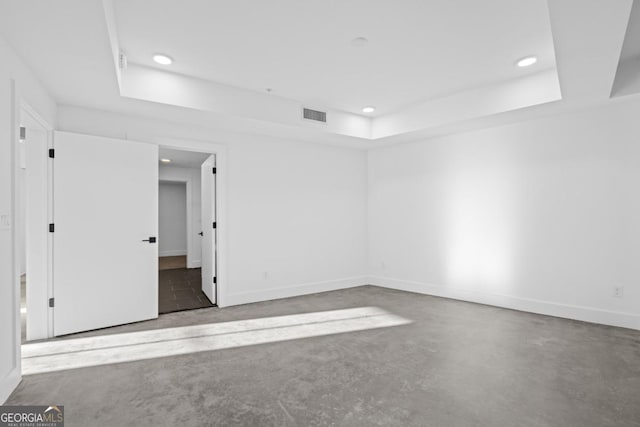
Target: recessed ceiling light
{"points": [[162, 59], [368, 109], [165, 160], [527, 61], [359, 41]]}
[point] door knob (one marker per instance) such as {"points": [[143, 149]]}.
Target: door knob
{"points": [[150, 240]]}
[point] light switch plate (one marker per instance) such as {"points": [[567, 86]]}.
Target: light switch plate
{"points": [[5, 221]]}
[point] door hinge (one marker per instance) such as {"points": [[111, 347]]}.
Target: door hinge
{"points": [[23, 133], [214, 171], [52, 153], [215, 280], [52, 228], [122, 61], [214, 225], [52, 302]]}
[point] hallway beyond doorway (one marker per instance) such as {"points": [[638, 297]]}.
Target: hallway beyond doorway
{"points": [[180, 288], [172, 262]]}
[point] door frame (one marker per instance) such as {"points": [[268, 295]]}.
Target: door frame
{"points": [[220, 151], [18, 106], [45, 289]]}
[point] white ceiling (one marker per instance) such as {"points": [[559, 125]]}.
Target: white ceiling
{"points": [[627, 79], [418, 50], [182, 159], [65, 44], [631, 47]]}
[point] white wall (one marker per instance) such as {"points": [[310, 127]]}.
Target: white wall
{"points": [[191, 175], [28, 89], [296, 212], [539, 216], [172, 213]]}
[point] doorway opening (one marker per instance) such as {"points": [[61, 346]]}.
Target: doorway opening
{"points": [[32, 234], [184, 194]]}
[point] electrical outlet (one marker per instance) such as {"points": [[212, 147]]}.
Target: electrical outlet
{"points": [[618, 291]]}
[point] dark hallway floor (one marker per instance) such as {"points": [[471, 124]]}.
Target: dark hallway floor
{"points": [[181, 289], [275, 363]]}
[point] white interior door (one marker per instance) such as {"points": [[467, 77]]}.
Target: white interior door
{"points": [[209, 228], [105, 269], [36, 236]]}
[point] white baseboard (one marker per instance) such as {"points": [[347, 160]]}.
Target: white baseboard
{"points": [[586, 314], [177, 252], [9, 383], [194, 264], [292, 291]]}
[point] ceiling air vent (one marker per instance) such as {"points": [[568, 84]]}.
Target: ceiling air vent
{"points": [[316, 116]]}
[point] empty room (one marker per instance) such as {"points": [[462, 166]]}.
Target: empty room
{"points": [[338, 213]]}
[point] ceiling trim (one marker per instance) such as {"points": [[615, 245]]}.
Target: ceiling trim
{"points": [[587, 53], [165, 87]]}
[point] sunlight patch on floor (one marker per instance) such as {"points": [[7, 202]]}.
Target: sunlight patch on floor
{"points": [[75, 353]]}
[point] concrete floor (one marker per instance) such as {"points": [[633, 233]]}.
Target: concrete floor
{"points": [[456, 364]]}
